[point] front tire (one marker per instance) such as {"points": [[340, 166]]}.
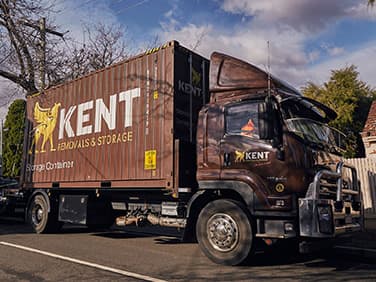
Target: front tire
{"points": [[224, 232], [40, 219]]}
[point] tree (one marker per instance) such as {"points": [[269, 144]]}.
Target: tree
{"points": [[350, 98], [21, 59], [13, 138], [20, 43], [105, 47]]}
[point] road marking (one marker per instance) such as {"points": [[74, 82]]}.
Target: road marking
{"points": [[90, 264]]}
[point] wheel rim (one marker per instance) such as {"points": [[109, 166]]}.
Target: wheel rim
{"points": [[223, 232], [37, 214]]}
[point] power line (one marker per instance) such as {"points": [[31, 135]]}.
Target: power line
{"points": [[76, 7], [43, 30], [130, 7], [88, 1]]}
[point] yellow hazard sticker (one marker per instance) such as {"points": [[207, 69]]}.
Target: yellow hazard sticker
{"points": [[155, 95], [150, 159]]}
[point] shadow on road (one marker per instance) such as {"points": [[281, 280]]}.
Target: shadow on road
{"points": [[287, 254], [276, 265], [13, 225], [279, 263], [169, 241], [122, 235]]}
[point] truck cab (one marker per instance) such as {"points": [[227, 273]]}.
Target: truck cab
{"points": [[266, 152]]}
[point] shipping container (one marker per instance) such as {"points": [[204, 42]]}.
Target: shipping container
{"points": [[124, 126]]}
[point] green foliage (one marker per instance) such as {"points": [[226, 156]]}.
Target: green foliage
{"points": [[350, 98], [13, 138]]}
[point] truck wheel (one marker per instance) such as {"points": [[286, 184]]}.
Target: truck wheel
{"points": [[224, 232], [40, 219]]}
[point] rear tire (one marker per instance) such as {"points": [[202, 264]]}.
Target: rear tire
{"points": [[40, 219], [224, 232]]}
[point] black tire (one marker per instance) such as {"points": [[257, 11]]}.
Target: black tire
{"points": [[224, 232], [40, 219]]}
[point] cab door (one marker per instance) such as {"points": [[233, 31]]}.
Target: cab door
{"points": [[244, 155]]}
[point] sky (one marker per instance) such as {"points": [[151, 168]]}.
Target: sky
{"points": [[307, 38]]}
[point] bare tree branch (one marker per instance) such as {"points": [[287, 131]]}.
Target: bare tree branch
{"points": [[23, 72], [20, 47]]}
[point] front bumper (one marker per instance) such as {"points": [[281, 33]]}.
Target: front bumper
{"points": [[337, 213]]}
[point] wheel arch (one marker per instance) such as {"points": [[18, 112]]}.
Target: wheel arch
{"points": [[225, 232], [213, 190]]}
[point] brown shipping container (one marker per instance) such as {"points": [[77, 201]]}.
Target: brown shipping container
{"points": [[132, 124]]}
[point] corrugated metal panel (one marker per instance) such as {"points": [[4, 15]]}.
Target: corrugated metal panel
{"points": [[85, 125], [366, 169], [118, 126]]}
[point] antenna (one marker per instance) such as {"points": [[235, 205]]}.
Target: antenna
{"points": [[269, 90]]}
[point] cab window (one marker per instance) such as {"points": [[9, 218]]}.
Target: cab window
{"points": [[242, 119]]}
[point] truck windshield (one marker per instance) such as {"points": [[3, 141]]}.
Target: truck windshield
{"points": [[317, 133]]}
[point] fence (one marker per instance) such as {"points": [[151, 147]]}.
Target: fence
{"points": [[366, 169]]}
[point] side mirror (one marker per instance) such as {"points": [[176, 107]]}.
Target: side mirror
{"points": [[265, 120], [270, 127]]}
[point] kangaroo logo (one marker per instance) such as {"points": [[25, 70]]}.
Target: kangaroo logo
{"points": [[239, 156], [46, 119]]}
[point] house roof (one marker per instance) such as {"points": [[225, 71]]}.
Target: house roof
{"points": [[370, 125]]}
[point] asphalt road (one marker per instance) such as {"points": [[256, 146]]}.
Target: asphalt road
{"points": [[80, 255]]}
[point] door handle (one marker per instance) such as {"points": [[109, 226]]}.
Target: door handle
{"points": [[226, 159]]}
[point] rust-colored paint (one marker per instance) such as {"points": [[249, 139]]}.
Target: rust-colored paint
{"points": [[117, 127]]}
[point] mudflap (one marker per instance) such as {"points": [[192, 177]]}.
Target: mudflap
{"points": [[73, 208], [86, 210]]}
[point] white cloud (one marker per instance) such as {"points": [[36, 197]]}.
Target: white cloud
{"points": [[361, 11], [332, 50], [314, 55], [248, 42], [73, 15], [361, 58], [285, 24], [250, 45], [8, 93], [302, 15], [70, 17], [335, 51]]}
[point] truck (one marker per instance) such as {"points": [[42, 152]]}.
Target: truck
{"points": [[221, 149]]}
